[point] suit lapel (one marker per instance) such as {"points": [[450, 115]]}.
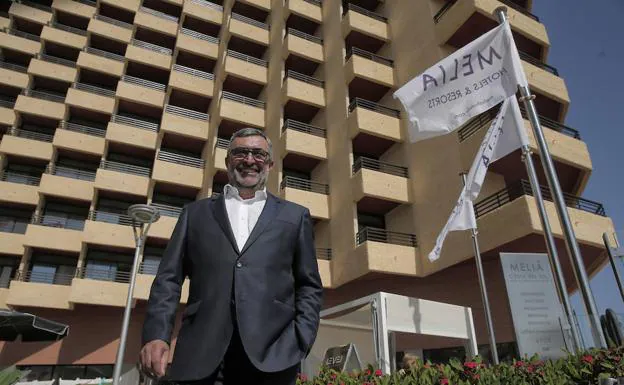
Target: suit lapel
{"points": [[223, 220], [271, 208]]}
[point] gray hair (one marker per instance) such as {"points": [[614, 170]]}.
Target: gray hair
{"points": [[249, 131]]}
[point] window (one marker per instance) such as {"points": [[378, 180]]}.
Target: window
{"points": [[43, 273], [66, 216], [104, 271], [6, 273], [14, 220]]}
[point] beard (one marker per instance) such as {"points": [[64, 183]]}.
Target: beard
{"points": [[239, 177]]}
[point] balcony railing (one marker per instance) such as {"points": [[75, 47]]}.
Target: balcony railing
{"points": [[323, 253], [186, 112], [13, 67], [315, 2], [304, 127], [251, 21], [116, 22], [125, 168], [15, 177], [509, 3], [384, 236], [538, 63], [305, 36], [148, 268], [143, 82], [247, 58], [129, 121], [376, 165], [523, 187], [94, 89], [305, 78], [67, 28], [50, 220], [92, 3], [207, 3], [304, 184], [103, 275], [34, 4], [69, 172], [108, 217], [151, 47], [7, 102], [106, 54], [156, 13], [75, 127], [222, 143], [351, 7], [183, 160], [358, 102], [44, 277], [43, 95], [554, 125], [443, 10], [34, 135], [199, 35], [243, 99], [167, 210], [368, 55], [57, 60], [25, 35], [193, 71]]}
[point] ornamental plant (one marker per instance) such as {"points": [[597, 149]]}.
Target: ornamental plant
{"points": [[584, 368]]}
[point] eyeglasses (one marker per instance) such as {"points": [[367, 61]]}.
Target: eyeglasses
{"points": [[240, 153]]}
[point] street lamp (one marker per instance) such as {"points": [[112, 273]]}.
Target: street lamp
{"points": [[142, 216]]}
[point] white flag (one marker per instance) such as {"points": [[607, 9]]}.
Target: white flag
{"points": [[505, 135], [468, 82]]}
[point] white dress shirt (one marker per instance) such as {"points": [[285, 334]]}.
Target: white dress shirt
{"points": [[243, 213]]}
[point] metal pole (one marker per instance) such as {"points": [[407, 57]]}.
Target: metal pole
{"points": [[550, 245], [484, 296], [126, 317], [616, 271], [555, 189]]}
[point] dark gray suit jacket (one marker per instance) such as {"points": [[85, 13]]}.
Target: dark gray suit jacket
{"points": [[276, 283]]}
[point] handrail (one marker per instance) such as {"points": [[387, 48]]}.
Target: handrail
{"points": [[193, 71], [135, 122], [443, 10], [25, 35], [369, 55], [151, 47], [94, 89], [15, 177], [67, 172], [376, 165], [116, 22], [247, 58], [148, 269], [186, 112], [359, 102], [181, 159], [68, 28], [323, 253], [523, 187], [54, 221], [199, 35], [206, 3], [251, 21], [168, 210], [75, 127], [57, 60], [7, 103], [35, 5], [304, 78], [243, 99], [538, 63], [352, 7], [143, 82], [381, 235], [27, 134], [98, 275], [14, 67], [43, 95], [105, 54], [520, 9], [125, 168], [108, 217], [476, 123], [316, 2], [156, 13], [92, 3], [554, 125], [304, 127], [304, 184], [222, 143], [43, 277], [305, 36]]}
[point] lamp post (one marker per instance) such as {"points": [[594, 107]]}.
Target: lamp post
{"points": [[142, 216]]}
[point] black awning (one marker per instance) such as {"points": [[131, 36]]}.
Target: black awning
{"points": [[30, 327]]}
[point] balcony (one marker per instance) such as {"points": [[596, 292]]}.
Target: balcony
{"points": [[41, 103], [108, 229], [149, 54], [307, 9], [141, 91], [20, 41], [53, 232], [246, 67], [373, 127], [363, 28], [180, 170], [122, 178], [303, 139], [84, 8], [386, 251], [32, 11], [307, 193], [27, 143], [111, 28], [100, 287], [64, 35], [41, 289], [204, 10], [192, 80], [198, 43], [67, 182], [54, 68], [369, 76], [165, 225], [132, 131], [19, 188], [220, 153], [378, 186], [303, 46], [13, 75], [13, 225], [12, 243], [154, 20], [91, 98], [185, 122], [101, 61], [249, 29], [461, 21], [303, 91], [243, 110], [81, 138]]}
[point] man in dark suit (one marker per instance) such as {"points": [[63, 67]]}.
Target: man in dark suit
{"points": [[255, 290]]}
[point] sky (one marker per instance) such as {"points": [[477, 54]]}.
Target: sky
{"points": [[587, 47]]}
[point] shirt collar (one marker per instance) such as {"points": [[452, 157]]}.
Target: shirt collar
{"points": [[231, 192]]}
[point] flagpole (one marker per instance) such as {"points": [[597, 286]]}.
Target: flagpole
{"points": [[550, 244], [484, 296], [555, 188]]}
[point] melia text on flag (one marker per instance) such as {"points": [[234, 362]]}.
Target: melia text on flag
{"points": [[505, 135], [468, 82]]}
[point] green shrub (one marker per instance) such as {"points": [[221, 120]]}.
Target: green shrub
{"points": [[584, 368], [11, 375]]}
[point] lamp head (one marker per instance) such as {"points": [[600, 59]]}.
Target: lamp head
{"points": [[142, 213]]}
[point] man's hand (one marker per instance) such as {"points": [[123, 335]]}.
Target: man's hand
{"points": [[154, 358]]}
